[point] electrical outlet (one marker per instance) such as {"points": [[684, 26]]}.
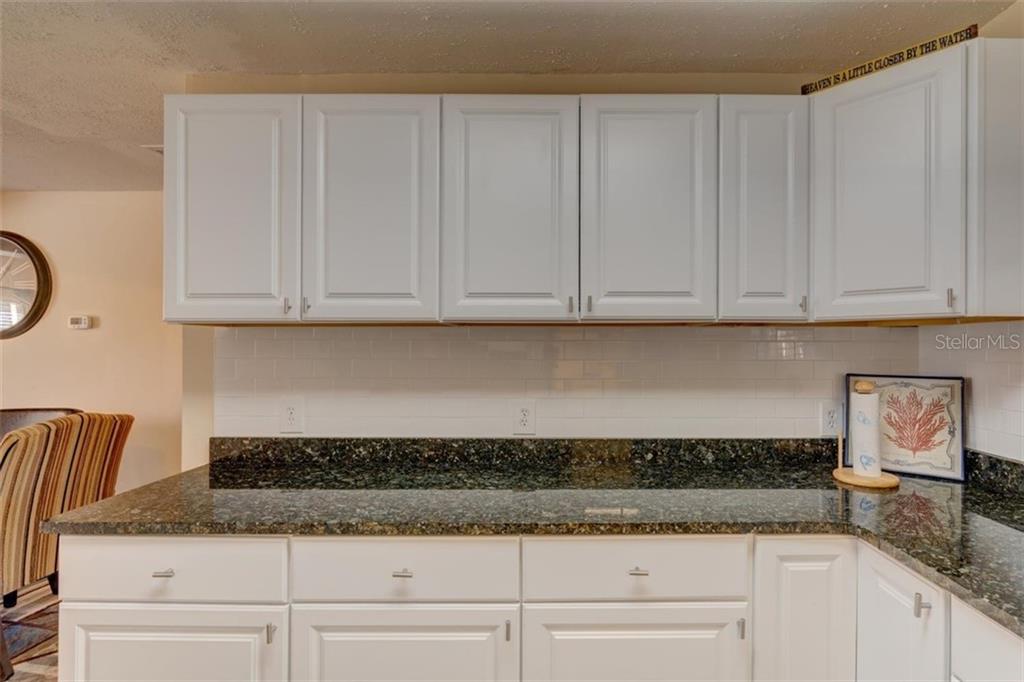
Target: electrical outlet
{"points": [[829, 418], [524, 421], [292, 415]]}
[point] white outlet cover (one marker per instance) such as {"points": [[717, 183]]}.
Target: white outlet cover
{"points": [[524, 418], [830, 417], [291, 414]]}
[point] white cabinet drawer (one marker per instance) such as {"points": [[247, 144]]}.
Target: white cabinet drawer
{"points": [[635, 568], [169, 569], [405, 569]]}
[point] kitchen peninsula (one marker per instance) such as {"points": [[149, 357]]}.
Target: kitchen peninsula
{"points": [[683, 559]]}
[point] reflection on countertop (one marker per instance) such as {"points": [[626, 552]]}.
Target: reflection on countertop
{"points": [[968, 539]]}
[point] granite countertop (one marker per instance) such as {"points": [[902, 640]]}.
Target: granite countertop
{"points": [[968, 539]]}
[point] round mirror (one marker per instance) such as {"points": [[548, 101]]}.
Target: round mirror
{"points": [[24, 284]]}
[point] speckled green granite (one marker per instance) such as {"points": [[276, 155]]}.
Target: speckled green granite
{"points": [[995, 473], [968, 539]]}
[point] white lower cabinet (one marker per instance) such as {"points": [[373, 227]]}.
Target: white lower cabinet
{"points": [[180, 642], [725, 607], [982, 650], [805, 608], [901, 622], [636, 641], [405, 642]]}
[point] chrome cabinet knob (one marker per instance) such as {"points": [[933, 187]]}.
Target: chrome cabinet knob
{"points": [[404, 573], [166, 573], [639, 572]]}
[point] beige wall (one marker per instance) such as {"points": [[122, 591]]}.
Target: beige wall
{"points": [[196, 395], [503, 83], [105, 252], [1007, 24]]}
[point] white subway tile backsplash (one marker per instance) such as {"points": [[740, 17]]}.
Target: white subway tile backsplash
{"points": [[245, 369], [312, 348], [294, 332], [993, 362], [293, 368], [270, 348], [607, 381], [232, 347]]}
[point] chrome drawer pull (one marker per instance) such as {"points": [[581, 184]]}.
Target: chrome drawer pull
{"points": [[741, 625], [404, 573], [640, 572], [271, 629], [168, 573], [920, 605]]}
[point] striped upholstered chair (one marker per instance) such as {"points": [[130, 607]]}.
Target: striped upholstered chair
{"points": [[45, 469]]}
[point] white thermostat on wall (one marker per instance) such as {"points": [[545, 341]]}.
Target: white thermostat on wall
{"points": [[80, 322]]}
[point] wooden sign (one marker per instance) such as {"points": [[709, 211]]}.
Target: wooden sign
{"points": [[920, 50]]}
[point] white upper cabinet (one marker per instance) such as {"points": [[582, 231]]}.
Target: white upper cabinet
{"points": [[901, 623], [894, 195], [763, 260], [995, 209], [370, 207], [231, 208], [510, 211], [649, 206], [888, 185]]}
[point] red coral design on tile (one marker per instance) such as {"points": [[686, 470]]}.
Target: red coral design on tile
{"points": [[914, 423]]}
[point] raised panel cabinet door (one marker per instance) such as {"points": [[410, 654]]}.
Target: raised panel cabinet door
{"points": [[370, 207], [981, 649], [636, 641], [888, 192], [805, 608], [763, 229], [180, 642], [363, 642], [231, 207], [995, 173], [900, 635], [649, 184], [510, 212]]}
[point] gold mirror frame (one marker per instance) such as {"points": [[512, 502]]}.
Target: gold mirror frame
{"points": [[44, 286]]}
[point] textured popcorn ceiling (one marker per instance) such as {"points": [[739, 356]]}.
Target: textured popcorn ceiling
{"points": [[82, 82]]}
